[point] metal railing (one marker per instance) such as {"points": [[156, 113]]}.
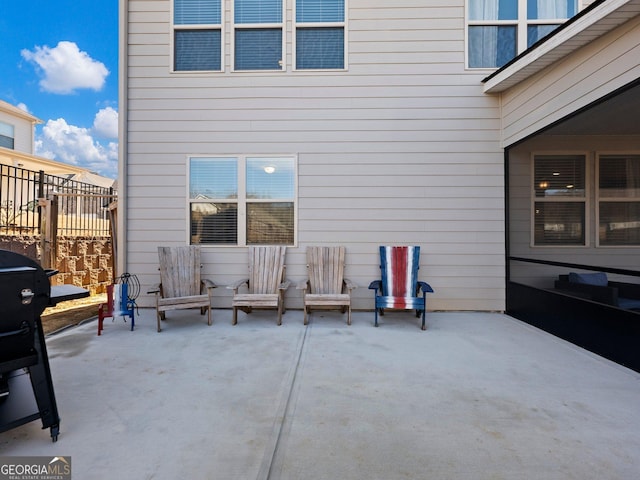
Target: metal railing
{"points": [[82, 208]]}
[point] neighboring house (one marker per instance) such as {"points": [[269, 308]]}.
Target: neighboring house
{"points": [[364, 122], [17, 141], [19, 172]]}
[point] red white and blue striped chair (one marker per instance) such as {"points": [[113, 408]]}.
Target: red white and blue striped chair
{"points": [[399, 287]]}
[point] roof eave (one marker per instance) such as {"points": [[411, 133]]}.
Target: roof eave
{"points": [[596, 20]]}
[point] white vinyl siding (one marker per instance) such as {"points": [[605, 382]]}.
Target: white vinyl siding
{"points": [[403, 148]]}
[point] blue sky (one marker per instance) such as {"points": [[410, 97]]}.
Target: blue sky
{"points": [[59, 62]]}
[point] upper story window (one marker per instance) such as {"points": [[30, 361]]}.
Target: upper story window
{"points": [[498, 30], [7, 135], [319, 34], [242, 200], [618, 200], [258, 35], [197, 35], [311, 32]]}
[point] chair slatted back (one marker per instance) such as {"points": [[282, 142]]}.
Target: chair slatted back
{"points": [[399, 267], [266, 268], [180, 271], [326, 269]]}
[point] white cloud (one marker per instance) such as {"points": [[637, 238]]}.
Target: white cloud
{"points": [[105, 123], [65, 68], [23, 107], [75, 145]]}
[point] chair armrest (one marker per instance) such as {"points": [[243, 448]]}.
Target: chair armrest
{"points": [[302, 285], [425, 287], [235, 286], [208, 284], [376, 285], [349, 284], [284, 285]]}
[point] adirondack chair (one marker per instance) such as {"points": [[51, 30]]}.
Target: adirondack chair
{"points": [[266, 284], [118, 305], [181, 285], [399, 287], [326, 287]]}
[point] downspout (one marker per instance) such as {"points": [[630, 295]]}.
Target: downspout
{"points": [[123, 109]]}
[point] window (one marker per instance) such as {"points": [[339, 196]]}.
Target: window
{"points": [[498, 30], [242, 200], [618, 200], [7, 135], [197, 30], [559, 200], [319, 34], [258, 35]]}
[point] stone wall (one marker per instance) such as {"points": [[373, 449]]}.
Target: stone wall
{"points": [[84, 262]]}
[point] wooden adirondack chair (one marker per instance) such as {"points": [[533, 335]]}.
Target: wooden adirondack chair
{"points": [[399, 287], [181, 286], [266, 284], [326, 287]]}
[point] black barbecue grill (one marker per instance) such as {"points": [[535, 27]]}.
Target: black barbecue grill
{"points": [[25, 291]]}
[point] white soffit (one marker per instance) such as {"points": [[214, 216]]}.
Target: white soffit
{"points": [[578, 32]]}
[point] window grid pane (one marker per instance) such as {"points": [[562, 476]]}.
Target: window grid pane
{"points": [[619, 223], [197, 50], [258, 49], [559, 176], [214, 223], [314, 11], [619, 176], [320, 48], [270, 223], [493, 10], [258, 11], [491, 46], [536, 32], [551, 9], [270, 178], [6, 142], [213, 178], [559, 223], [196, 12]]}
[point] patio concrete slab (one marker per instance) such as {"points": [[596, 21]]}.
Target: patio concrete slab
{"points": [[477, 395]]}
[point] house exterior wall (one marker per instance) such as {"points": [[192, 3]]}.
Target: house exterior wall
{"points": [[601, 67], [521, 217], [402, 148]]}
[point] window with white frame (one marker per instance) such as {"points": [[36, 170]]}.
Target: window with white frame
{"points": [[7, 135], [242, 200], [559, 200], [258, 35], [319, 34], [197, 35], [618, 200], [498, 30]]}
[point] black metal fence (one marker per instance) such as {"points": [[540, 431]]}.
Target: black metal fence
{"points": [[82, 207]]}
